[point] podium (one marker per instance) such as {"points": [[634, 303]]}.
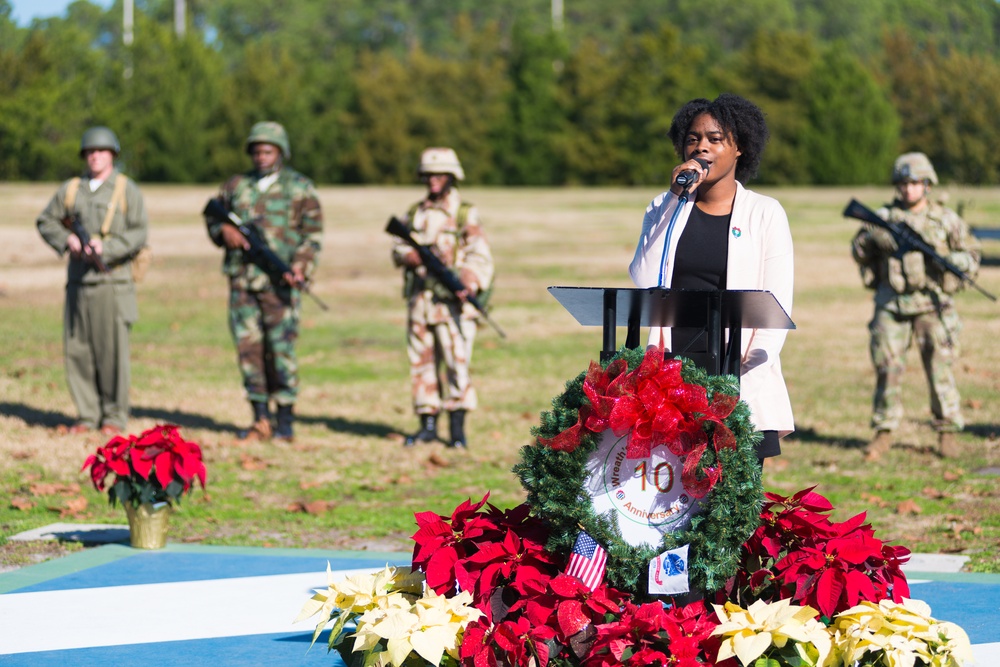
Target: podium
{"points": [[714, 311]]}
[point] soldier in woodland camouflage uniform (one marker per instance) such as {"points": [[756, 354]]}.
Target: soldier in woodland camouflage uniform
{"points": [[441, 327], [264, 309], [100, 307], [913, 301]]}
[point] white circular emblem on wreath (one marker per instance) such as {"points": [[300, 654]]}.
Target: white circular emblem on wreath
{"points": [[645, 495]]}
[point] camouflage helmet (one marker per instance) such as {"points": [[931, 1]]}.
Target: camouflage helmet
{"points": [[440, 161], [913, 167], [269, 132], [99, 137]]}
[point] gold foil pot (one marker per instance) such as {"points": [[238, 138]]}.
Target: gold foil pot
{"points": [[148, 525]]}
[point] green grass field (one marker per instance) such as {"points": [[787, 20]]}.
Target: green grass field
{"points": [[347, 482]]}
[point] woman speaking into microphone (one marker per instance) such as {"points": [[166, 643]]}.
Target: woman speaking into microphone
{"points": [[708, 232]]}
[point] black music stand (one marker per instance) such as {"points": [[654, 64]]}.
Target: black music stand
{"points": [[715, 311]]}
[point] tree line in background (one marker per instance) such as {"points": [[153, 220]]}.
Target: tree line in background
{"points": [[363, 86]]}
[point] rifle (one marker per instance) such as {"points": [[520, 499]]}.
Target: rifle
{"points": [[907, 240], [73, 223], [259, 253], [437, 269]]}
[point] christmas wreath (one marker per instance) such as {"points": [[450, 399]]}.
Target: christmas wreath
{"points": [[644, 402]]}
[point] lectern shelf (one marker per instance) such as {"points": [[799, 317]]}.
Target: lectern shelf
{"points": [[714, 311]]}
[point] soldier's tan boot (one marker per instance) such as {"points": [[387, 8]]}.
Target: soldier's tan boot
{"points": [[880, 444], [948, 445], [260, 430]]}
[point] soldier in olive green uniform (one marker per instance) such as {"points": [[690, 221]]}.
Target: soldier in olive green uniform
{"points": [[914, 302], [264, 309], [441, 326], [100, 306]]}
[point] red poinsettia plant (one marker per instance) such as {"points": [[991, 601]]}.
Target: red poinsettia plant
{"points": [[798, 553], [156, 466], [535, 614]]}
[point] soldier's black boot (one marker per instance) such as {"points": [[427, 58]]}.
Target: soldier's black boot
{"points": [[285, 418], [428, 431], [261, 427], [458, 430]]}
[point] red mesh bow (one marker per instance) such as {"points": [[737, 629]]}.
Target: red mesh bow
{"points": [[654, 406]]}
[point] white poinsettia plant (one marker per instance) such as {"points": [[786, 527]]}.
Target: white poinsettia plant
{"points": [[776, 633], [891, 634], [883, 634], [396, 619]]}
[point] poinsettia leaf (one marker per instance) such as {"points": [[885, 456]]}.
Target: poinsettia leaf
{"points": [[121, 491], [856, 550], [142, 465], [766, 662], [566, 586], [467, 508], [829, 589], [899, 588], [810, 500], [489, 552], [571, 617], [851, 524], [441, 569], [583, 641], [175, 490], [859, 588], [430, 519], [505, 636]]}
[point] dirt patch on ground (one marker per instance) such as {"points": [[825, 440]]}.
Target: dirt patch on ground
{"points": [[15, 554]]}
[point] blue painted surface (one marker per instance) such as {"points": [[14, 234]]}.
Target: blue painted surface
{"points": [[975, 607], [971, 601], [272, 650], [150, 567]]}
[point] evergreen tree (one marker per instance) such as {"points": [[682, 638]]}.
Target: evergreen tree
{"points": [[529, 142], [852, 130]]}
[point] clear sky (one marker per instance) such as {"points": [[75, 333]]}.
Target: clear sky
{"points": [[25, 10]]}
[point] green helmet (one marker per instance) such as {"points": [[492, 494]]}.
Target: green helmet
{"points": [[441, 161], [913, 167], [269, 132], [99, 137]]}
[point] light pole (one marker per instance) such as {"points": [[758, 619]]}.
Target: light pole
{"points": [[557, 15], [179, 22], [128, 23]]}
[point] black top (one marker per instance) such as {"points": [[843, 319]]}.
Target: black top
{"points": [[699, 264]]}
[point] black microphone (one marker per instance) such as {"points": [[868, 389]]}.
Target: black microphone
{"points": [[687, 177]]}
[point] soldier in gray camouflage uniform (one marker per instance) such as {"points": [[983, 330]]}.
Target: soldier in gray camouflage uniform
{"points": [[441, 327], [100, 307], [264, 309], [913, 301]]}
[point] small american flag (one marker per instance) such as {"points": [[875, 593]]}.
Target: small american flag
{"points": [[587, 561]]}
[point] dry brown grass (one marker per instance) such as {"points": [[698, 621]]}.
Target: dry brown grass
{"points": [[355, 401]]}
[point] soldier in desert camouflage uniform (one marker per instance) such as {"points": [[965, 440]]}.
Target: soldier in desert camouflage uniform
{"points": [[264, 309], [913, 301], [441, 327]]}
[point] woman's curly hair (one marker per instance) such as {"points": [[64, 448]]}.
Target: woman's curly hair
{"points": [[739, 118]]}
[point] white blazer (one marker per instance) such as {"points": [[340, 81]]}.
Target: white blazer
{"points": [[760, 258]]}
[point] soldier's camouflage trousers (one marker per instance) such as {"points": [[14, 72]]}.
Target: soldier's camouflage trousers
{"points": [[265, 326], [431, 347], [936, 337]]}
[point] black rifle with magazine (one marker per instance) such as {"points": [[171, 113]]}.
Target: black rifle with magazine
{"points": [[73, 223], [907, 240], [259, 253], [437, 269]]}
